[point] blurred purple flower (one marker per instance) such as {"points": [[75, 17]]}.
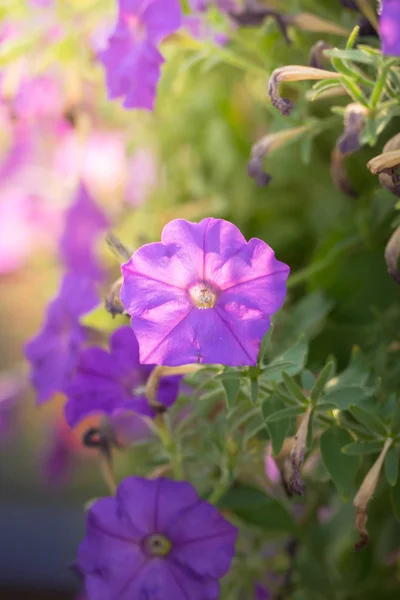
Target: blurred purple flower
{"points": [[155, 539], [223, 5], [200, 29], [261, 592], [12, 387], [84, 224], [54, 351], [39, 98], [42, 3], [59, 456], [142, 177], [114, 382], [132, 60], [389, 27], [203, 294]]}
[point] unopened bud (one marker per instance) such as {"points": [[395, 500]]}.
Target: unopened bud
{"points": [[263, 147], [339, 173], [294, 463], [316, 57], [386, 164], [112, 302], [293, 73], [354, 121], [392, 255], [365, 493]]}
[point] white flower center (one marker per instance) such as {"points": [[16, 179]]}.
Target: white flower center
{"points": [[203, 295]]}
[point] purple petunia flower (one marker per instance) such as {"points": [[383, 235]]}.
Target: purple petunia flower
{"points": [[155, 540], [54, 351], [132, 59], [114, 382], [261, 592], [389, 27], [84, 223], [203, 294]]}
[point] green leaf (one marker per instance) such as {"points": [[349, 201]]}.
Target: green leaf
{"points": [[277, 430], [321, 382], [292, 361], [254, 391], [356, 373], [307, 380], [262, 353], [360, 448], [354, 55], [256, 508], [369, 420], [395, 422], [344, 397], [391, 466], [285, 413], [293, 388], [395, 497], [342, 468], [231, 387]]}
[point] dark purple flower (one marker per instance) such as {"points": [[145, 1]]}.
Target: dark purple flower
{"points": [[132, 59], [54, 351], [389, 27], [114, 382], [202, 294], [84, 224], [261, 592], [156, 539]]}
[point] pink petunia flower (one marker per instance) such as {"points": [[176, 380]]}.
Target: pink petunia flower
{"points": [[132, 59], [202, 294]]}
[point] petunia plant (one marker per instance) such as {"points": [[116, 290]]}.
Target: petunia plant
{"points": [[222, 342]]}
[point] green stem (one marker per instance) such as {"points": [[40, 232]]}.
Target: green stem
{"points": [[171, 446]]}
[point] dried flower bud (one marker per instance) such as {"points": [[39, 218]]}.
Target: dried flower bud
{"points": [[293, 73], [339, 173], [310, 22], [154, 381], [118, 247], [388, 176], [392, 255], [293, 464], [112, 302], [263, 147], [316, 57], [349, 142], [354, 121], [365, 493]]}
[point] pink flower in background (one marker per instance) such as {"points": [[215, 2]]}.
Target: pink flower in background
{"points": [[39, 98], [271, 469], [202, 294], [99, 160], [142, 176], [132, 59], [84, 224], [54, 351]]}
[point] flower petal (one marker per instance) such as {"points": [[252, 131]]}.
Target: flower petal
{"points": [[162, 17], [203, 540]]}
